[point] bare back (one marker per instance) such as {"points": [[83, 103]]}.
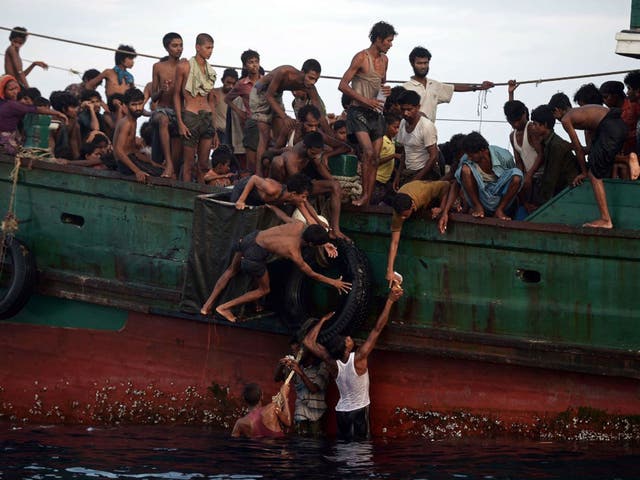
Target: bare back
{"points": [[283, 240], [284, 77], [12, 62], [585, 118]]}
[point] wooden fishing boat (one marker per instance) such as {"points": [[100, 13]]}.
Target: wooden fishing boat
{"points": [[504, 326]]}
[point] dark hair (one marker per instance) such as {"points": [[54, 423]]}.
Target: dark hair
{"points": [[89, 94], [474, 142], [588, 94], [230, 72], [220, 156], [132, 95], [338, 124], [561, 101], [88, 148], [452, 150], [382, 30], [396, 93], [409, 97], [390, 118], [313, 140], [299, 183], [336, 346], [315, 235], [111, 98], [419, 52], [124, 51], [248, 55], [309, 109], [90, 74], [203, 38], [632, 79], [146, 133], [169, 37], [402, 202], [613, 87], [18, 32], [60, 100], [544, 114], [311, 65], [41, 102], [33, 93], [514, 109], [252, 394]]}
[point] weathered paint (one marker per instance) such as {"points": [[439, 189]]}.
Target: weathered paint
{"points": [[159, 369], [490, 304]]}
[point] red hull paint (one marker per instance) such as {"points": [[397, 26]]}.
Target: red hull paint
{"points": [[157, 369]]}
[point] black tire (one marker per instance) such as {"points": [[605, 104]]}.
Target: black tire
{"points": [[351, 309], [18, 277]]}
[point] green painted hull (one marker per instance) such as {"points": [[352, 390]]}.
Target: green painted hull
{"points": [[540, 293]]}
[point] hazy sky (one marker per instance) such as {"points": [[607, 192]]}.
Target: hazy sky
{"points": [[470, 41]]}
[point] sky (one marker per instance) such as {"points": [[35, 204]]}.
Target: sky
{"points": [[470, 41]]}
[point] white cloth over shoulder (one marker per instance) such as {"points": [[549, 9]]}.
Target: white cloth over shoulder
{"points": [[353, 388]]}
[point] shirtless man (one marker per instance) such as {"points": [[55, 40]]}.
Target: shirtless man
{"points": [[605, 133], [164, 117], [118, 79], [131, 161], [306, 157], [256, 191], [253, 250], [263, 421], [12, 60], [362, 83], [265, 100], [194, 103]]}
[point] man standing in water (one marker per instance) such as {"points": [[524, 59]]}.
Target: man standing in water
{"points": [[194, 103], [350, 368], [263, 421], [362, 83]]}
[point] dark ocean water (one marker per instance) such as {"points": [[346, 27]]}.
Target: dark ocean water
{"points": [[166, 452]]}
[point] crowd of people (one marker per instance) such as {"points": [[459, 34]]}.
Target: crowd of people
{"points": [[240, 135]]}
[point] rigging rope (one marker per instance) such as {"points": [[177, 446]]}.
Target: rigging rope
{"points": [[331, 77]]}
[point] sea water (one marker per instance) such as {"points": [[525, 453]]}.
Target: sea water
{"points": [[191, 452]]}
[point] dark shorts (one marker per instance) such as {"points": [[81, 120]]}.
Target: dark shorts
{"points": [[200, 125], [254, 257], [607, 142], [254, 197], [170, 113], [353, 425], [251, 135], [144, 166], [361, 119]]}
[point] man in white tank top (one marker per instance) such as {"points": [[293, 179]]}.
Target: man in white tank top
{"points": [[350, 369], [527, 150]]}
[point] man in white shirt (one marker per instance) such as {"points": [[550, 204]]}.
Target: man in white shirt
{"points": [[431, 91], [419, 137]]}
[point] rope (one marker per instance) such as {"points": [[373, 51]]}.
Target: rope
{"points": [[330, 77], [10, 223], [277, 398], [351, 187]]}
